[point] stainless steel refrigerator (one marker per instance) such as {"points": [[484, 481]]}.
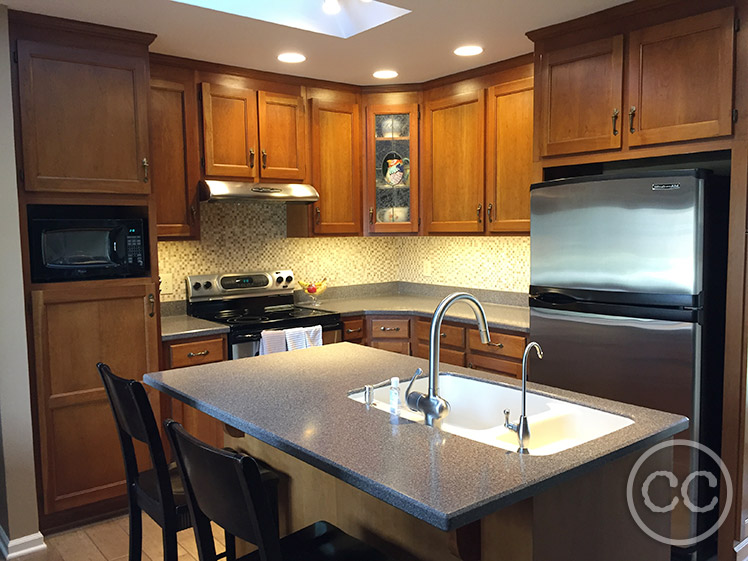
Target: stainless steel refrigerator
{"points": [[627, 297]]}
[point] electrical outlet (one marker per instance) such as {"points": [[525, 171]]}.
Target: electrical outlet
{"points": [[427, 268], [166, 283]]}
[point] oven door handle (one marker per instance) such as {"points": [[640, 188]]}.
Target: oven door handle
{"points": [[248, 337]]}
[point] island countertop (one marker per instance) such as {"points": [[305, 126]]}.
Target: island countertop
{"points": [[297, 402]]}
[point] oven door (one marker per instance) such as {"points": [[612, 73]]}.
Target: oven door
{"points": [[242, 346]]}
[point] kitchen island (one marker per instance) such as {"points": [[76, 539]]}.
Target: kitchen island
{"points": [[411, 489]]}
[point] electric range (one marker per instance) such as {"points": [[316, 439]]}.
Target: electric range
{"points": [[250, 303]]}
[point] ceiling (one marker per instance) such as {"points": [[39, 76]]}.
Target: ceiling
{"points": [[418, 45]]}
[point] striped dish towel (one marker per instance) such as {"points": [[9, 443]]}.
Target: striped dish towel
{"points": [[313, 336], [272, 342], [295, 338]]}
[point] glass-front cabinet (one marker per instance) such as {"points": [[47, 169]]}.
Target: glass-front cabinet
{"points": [[392, 168]]}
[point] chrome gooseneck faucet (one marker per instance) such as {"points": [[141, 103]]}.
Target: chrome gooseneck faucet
{"points": [[521, 427], [433, 406]]}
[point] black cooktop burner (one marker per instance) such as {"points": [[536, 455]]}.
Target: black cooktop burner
{"points": [[246, 319]]}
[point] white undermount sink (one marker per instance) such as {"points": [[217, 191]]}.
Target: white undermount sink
{"points": [[477, 412]]}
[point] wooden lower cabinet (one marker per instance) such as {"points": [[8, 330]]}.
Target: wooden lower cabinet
{"points": [[77, 325], [354, 330], [389, 333], [452, 342], [190, 352], [502, 356]]}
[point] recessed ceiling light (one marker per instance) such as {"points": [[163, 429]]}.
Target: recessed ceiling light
{"points": [[468, 50], [385, 74], [330, 7], [291, 57]]}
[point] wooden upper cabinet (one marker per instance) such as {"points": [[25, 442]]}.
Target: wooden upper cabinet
{"points": [[282, 136], [680, 79], [175, 167], [336, 168], [229, 131], [84, 119], [581, 98], [509, 156], [392, 167], [74, 328], [453, 170]]}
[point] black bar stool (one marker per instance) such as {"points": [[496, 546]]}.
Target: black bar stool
{"points": [[226, 487], [157, 491]]}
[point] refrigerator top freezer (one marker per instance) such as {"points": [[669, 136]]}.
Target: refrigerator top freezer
{"points": [[636, 235]]}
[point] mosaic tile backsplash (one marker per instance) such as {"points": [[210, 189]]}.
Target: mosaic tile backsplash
{"points": [[252, 236]]}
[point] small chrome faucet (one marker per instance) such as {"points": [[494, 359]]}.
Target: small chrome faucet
{"points": [[522, 428], [433, 406]]}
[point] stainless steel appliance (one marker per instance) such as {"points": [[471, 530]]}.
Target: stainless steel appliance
{"points": [[627, 298], [69, 243], [252, 302]]}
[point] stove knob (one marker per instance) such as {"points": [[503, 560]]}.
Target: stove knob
{"points": [[289, 278], [196, 286], [207, 285], [279, 280]]}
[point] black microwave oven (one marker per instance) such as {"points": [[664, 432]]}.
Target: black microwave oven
{"points": [[70, 249]]}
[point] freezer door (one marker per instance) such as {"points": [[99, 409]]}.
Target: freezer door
{"points": [[635, 234]]}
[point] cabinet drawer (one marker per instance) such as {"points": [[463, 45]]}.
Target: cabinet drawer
{"points": [[390, 329], [451, 335], [196, 352], [402, 347], [493, 364], [353, 329], [446, 356], [503, 345]]}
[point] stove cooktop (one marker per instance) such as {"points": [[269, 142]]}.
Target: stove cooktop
{"points": [[247, 317]]}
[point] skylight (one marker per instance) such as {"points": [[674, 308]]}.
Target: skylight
{"points": [[355, 16]]}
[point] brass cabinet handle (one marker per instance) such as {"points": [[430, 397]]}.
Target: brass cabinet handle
{"points": [[469, 364], [498, 345], [383, 328], [371, 215], [478, 213], [442, 335], [145, 170], [206, 352], [615, 121], [632, 112], [317, 212], [357, 330], [193, 213], [490, 210], [152, 302], [264, 159], [251, 158]]}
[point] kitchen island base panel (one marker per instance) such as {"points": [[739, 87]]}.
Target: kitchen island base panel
{"points": [[583, 519]]}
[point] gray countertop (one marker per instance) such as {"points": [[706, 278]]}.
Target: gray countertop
{"points": [[513, 318], [184, 326], [297, 402]]}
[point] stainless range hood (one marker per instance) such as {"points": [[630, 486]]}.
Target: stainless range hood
{"points": [[212, 190]]}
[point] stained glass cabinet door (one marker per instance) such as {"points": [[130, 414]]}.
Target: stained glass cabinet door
{"points": [[392, 168]]}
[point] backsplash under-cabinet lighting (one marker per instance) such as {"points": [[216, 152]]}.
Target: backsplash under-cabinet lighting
{"points": [[252, 236]]}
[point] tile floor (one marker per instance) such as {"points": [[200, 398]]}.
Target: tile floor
{"points": [[108, 541]]}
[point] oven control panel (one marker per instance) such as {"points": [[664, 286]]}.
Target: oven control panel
{"points": [[222, 285]]}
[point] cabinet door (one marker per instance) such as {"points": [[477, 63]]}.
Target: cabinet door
{"points": [[84, 124], [509, 156], [282, 136], [453, 186], [336, 152], [680, 79], [74, 328], [175, 170], [229, 131], [581, 96], [392, 167]]}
